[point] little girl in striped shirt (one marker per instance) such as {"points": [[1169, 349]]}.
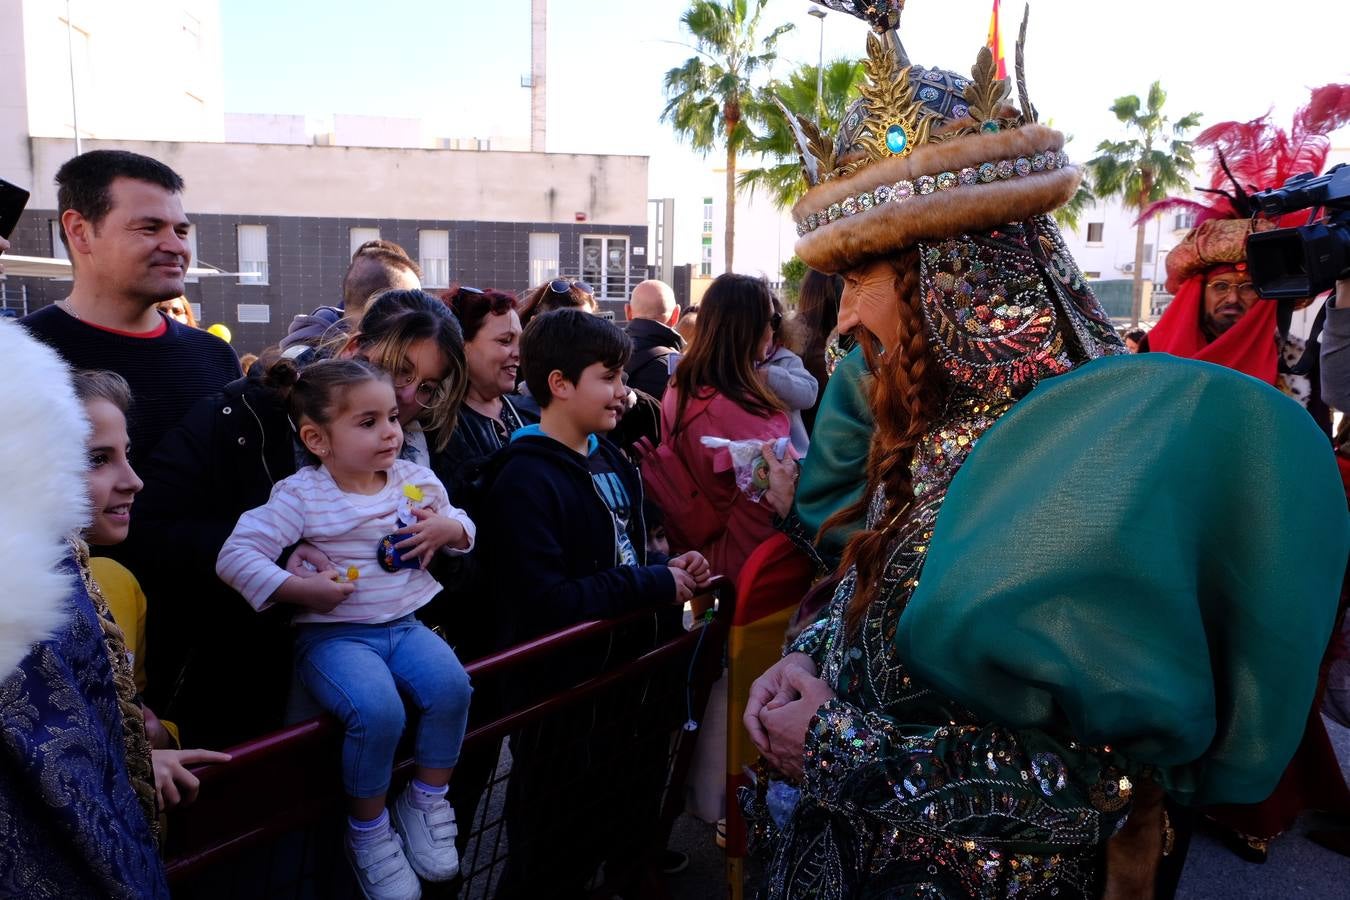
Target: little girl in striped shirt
{"points": [[359, 649]]}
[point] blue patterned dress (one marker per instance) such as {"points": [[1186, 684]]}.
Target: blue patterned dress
{"points": [[71, 825]]}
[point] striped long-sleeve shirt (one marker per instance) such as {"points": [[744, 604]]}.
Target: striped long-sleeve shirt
{"points": [[310, 506]]}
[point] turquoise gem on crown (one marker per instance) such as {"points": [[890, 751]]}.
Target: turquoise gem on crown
{"points": [[896, 139]]}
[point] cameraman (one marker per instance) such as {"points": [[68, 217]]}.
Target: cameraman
{"points": [[1336, 349]]}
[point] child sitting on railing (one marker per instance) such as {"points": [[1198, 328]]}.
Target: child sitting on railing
{"points": [[359, 649]]}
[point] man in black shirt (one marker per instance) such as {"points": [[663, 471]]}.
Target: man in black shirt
{"points": [[123, 225], [652, 313]]}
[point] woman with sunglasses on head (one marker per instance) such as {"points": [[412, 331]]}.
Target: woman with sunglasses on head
{"points": [[222, 460], [560, 293]]}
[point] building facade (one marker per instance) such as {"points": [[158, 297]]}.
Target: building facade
{"points": [[287, 202]]}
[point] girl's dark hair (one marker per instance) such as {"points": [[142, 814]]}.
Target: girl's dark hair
{"points": [[395, 320], [472, 307], [818, 307], [732, 317], [100, 384], [546, 298], [317, 392]]}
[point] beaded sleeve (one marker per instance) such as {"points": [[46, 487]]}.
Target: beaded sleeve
{"points": [[1021, 789]]}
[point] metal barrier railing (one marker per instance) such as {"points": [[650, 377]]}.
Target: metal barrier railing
{"points": [[592, 778]]}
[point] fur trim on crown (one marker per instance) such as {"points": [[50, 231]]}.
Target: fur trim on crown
{"points": [[889, 227], [43, 494]]}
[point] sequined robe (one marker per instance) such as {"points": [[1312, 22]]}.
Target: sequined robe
{"points": [[906, 794], [70, 822]]}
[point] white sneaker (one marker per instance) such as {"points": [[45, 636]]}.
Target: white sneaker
{"points": [[382, 869], [428, 836]]}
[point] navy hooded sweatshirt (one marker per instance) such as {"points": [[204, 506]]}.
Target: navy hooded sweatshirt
{"points": [[554, 548]]}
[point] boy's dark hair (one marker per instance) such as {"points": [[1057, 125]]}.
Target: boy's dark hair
{"points": [[83, 182], [568, 340]]}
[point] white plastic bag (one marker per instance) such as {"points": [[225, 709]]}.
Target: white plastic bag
{"points": [[747, 460]]}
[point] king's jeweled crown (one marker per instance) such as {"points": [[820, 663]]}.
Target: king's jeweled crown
{"points": [[922, 137]]}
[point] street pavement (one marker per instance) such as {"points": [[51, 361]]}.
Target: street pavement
{"points": [[1296, 867]]}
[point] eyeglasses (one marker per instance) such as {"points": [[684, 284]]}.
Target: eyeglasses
{"points": [[1245, 290], [429, 394], [776, 321], [563, 286]]}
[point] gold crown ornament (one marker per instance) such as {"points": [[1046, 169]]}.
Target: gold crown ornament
{"points": [[923, 155]]}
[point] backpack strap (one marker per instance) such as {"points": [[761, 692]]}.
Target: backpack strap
{"points": [[643, 358]]}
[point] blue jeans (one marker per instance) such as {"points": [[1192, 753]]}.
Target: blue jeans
{"points": [[362, 673]]}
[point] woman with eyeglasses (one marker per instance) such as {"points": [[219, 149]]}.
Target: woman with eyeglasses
{"points": [[223, 460]]}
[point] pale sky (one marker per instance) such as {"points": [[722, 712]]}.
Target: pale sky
{"points": [[458, 64]]}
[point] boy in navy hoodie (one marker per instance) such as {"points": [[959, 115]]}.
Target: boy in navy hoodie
{"points": [[565, 542], [564, 534]]}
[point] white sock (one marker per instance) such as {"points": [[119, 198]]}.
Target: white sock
{"points": [[424, 796], [363, 832]]}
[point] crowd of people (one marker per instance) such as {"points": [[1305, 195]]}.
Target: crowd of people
{"points": [[1013, 681]]}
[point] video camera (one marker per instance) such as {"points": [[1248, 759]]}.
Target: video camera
{"points": [[1294, 263]]}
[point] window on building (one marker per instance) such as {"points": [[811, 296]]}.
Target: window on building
{"points": [[253, 313], [433, 255], [1148, 253], [1094, 232], [544, 248], [58, 248], [192, 246], [253, 252], [707, 215], [359, 236], [705, 266], [1184, 220]]}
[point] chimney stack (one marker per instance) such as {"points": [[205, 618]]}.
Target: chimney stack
{"points": [[538, 77]]}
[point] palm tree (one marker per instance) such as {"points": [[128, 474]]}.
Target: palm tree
{"points": [[772, 136], [1070, 213], [1145, 167], [704, 96]]}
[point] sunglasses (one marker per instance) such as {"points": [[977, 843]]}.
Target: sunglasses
{"points": [[776, 321], [563, 286]]}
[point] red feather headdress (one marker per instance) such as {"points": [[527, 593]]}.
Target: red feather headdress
{"points": [[1249, 157]]}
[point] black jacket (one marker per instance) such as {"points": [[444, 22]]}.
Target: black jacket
{"points": [[475, 439], [214, 665], [549, 542], [652, 343]]}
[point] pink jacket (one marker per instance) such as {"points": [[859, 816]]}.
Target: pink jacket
{"points": [[748, 524]]}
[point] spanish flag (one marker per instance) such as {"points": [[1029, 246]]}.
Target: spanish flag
{"points": [[995, 44]]}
